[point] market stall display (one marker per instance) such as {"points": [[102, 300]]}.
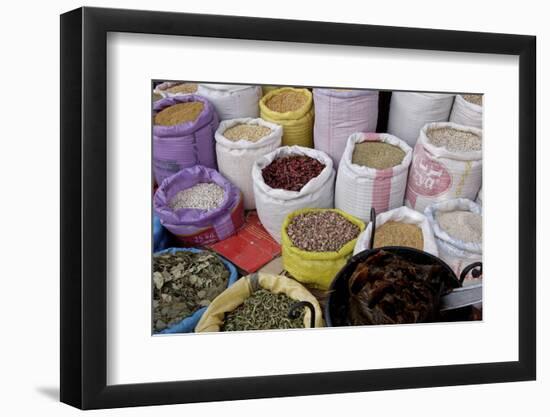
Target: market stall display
{"points": [[340, 113], [468, 110], [308, 182], [183, 134], [239, 143], [372, 174], [446, 164], [232, 101]]}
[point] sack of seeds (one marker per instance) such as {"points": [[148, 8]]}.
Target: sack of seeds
{"points": [[446, 164], [409, 112], [292, 108], [186, 280], [399, 227], [372, 173], [467, 110], [338, 114], [239, 142], [259, 302], [199, 206], [458, 227], [317, 243], [171, 89], [288, 179], [231, 100], [183, 134]]}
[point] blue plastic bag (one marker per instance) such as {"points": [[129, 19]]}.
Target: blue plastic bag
{"points": [[160, 235], [187, 325]]}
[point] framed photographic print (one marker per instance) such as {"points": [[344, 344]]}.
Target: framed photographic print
{"points": [[257, 208]]}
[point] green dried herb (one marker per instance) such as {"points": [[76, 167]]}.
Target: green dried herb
{"points": [[263, 310], [183, 283]]}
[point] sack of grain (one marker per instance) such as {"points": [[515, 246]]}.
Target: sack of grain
{"points": [[446, 164], [269, 88], [231, 100], [188, 324], [274, 204], [338, 114], [467, 110], [199, 206], [409, 112], [186, 136], [421, 237], [381, 185], [457, 226], [248, 139], [317, 243], [291, 108], [217, 312], [172, 89], [479, 198]]}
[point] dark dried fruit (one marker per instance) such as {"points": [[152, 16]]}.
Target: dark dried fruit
{"points": [[291, 173]]}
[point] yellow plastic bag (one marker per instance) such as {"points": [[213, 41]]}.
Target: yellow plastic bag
{"points": [[268, 89], [298, 124], [316, 269], [234, 296]]}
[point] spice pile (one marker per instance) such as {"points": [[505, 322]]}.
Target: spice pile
{"points": [[202, 196], [473, 98], [321, 231], [286, 101], [291, 173], [184, 282], [185, 88], [389, 289], [263, 310], [377, 155], [461, 224], [179, 113], [454, 140], [399, 234], [252, 133]]}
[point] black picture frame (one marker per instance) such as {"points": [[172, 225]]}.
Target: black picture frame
{"points": [[84, 207]]}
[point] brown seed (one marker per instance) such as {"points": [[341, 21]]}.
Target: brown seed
{"points": [[179, 113], [473, 98], [186, 88], [286, 101], [377, 155], [399, 234], [252, 133]]}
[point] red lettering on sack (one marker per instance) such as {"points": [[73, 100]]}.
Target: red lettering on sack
{"points": [[428, 177]]}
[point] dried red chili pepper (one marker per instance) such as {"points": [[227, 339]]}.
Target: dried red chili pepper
{"points": [[291, 173]]}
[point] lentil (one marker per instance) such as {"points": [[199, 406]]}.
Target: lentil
{"points": [[454, 140], [291, 173], [202, 196], [461, 224], [252, 133], [185, 88], [377, 155], [179, 113], [473, 98], [286, 101], [399, 234], [321, 231]]}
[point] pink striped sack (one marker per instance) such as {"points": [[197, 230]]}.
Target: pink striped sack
{"points": [[359, 188], [338, 114]]}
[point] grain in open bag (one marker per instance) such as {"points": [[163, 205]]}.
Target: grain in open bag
{"points": [[274, 204], [338, 114], [466, 111], [193, 225], [360, 188], [232, 100], [185, 144], [457, 226], [171, 89], [292, 108], [402, 215], [236, 157], [409, 112], [446, 164], [316, 250]]}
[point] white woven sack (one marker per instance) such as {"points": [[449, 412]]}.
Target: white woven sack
{"points": [[338, 114], [273, 205], [456, 253], [402, 215], [479, 198], [466, 113], [236, 158], [438, 174], [409, 112], [359, 188], [232, 101]]}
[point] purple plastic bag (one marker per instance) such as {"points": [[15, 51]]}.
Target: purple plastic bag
{"points": [[194, 226], [186, 144]]}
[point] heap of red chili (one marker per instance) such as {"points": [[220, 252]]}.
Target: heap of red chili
{"points": [[291, 173]]}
